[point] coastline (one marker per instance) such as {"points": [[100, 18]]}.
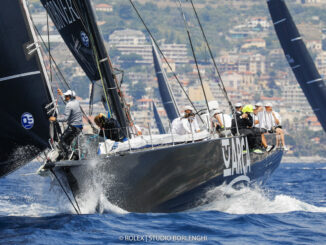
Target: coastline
{"points": [[303, 159]]}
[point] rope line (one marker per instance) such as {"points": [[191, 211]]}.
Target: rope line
{"points": [[72, 204], [164, 57]]}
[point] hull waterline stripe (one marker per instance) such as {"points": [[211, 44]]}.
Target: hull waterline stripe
{"points": [[280, 21], [20, 75], [314, 81]]}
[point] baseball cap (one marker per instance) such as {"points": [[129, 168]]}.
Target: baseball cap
{"points": [[69, 93], [247, 108], [187, 107]]}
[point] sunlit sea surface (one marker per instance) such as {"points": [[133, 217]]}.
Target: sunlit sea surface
{"points": [[289, 209]]}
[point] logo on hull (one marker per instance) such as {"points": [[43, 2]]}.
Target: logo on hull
{"points": [[84, 38], [236, 161], [27, 120]]}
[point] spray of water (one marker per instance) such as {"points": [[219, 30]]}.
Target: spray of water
{"points": [[93, 197], [253, 201]]}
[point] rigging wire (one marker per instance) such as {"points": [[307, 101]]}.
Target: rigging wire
{"points": [[60, 73], [49, 45], [64, 190], [164, 57], [123, 102], [87, 27], [193, 53], [219, 80]]}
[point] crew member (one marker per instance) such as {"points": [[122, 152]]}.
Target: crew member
{"points": [[73, 116], [110, 128], [245, 122], [221, 122], [257, 116], [238, 108], [187, 124], [273, 125]]}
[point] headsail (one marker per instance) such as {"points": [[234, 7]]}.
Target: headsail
{"points": [[73, 31], [299, 58], [158, 120], [164, 88], [24, 91], [76, 23]]}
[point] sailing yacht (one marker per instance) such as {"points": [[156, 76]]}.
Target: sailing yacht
{"points": [[154, 173]]}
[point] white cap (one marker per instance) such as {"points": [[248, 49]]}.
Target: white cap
{"points": [[269, 104], [259, 104], [213, 105], [187, 107], [215, 112], [70, 93], [238, 104]]}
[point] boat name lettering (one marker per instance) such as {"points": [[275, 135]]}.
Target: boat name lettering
{"points": [[233, 157], [62, 12]]}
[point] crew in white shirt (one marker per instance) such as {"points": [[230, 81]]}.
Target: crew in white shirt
{"points": [[187, 124], [221, 122], [272, 122]]}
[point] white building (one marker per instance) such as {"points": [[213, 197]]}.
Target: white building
{"points": [[258, 21], [103, 7], [132, 41]]}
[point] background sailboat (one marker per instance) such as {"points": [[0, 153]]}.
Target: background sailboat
{"points": [[168, 100], [158, 120]]}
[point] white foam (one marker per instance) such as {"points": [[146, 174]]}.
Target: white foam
{"points": [[253, 201], [42, 196], [27, 208], [93, 198]]}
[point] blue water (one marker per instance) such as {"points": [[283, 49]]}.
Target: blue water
{"points": [[290, 209]]}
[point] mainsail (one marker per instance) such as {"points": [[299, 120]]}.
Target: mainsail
{"points": [[76, 23], [158, 120], [299, 58], [24, 89], [164, 88]]}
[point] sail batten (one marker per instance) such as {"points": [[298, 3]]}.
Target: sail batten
{"points": [[299, 59], [20, 75]]}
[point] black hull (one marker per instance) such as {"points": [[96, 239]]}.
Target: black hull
{"points": [[170, 179]]}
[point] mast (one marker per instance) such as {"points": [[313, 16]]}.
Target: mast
{"points": [[158, 120], [168, 100], [110, 86], [75, 20], [299, 59]]}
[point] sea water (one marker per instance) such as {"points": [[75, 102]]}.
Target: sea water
{"points": [[289, 209]]}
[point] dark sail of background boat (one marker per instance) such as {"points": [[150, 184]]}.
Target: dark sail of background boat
{"points": [[158, 120], [23, 90], [164, 88], [299, 59]]}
